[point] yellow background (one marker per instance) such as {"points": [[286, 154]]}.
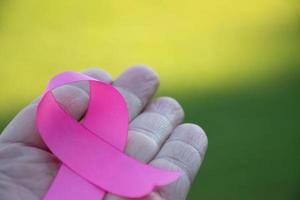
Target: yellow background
{"points": [[197, 48]]}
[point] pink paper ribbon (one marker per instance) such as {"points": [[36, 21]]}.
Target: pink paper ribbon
{"points": [[91, 151]]}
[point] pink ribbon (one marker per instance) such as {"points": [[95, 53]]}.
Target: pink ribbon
{"points": [[91, 151]]}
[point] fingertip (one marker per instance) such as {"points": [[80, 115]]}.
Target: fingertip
{"points": [[98, 74], [168, 107], [139, 80]]}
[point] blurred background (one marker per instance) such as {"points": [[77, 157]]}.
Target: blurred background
{"points": [[234, 65]]}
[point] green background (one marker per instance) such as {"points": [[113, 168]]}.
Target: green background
{"points": [[234, 66]]}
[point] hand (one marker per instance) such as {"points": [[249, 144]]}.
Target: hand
{"points": [[156, 136]]}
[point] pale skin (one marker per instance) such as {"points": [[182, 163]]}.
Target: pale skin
{"points": [[156, 135]]}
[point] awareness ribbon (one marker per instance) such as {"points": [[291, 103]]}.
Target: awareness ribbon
{"points": [[92, 151]]}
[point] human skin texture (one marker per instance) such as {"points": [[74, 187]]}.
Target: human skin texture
{"points": [[156, 136]]}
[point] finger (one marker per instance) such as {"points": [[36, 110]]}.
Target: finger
{"points": [[149, 130], [95, 73], [137, 85], [22, 128], [183, 151]]}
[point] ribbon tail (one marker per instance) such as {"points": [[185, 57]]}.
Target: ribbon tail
{"points": [[68, 185]]}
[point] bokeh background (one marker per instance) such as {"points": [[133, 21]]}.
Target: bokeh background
{"points": [[234, 65]]}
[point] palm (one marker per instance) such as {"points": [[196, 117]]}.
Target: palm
{"points": [[155, 136]]}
